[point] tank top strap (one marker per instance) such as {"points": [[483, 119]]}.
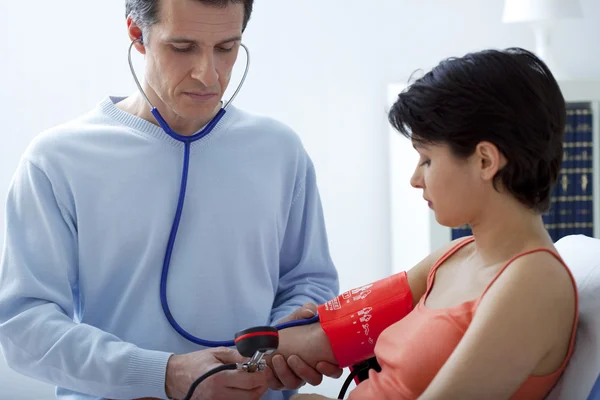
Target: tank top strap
{"points": [[509, 262], [559, 258], [443, 258]]}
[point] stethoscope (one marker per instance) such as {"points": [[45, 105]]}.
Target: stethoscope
{"points": [[187, 141], [255, 342]]}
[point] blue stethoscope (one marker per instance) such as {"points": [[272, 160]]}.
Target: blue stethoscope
{"points": [[187, 141]]}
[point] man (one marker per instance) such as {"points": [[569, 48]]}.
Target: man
{"points": [[91, 207]]}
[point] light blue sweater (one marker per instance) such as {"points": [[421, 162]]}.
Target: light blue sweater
{"points": [[87, 221]]}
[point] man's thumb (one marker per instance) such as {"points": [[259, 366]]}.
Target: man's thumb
{"points": [[228, 356], [308, 310]]}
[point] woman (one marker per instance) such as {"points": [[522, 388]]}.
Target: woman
{"points": [[495, 314]]}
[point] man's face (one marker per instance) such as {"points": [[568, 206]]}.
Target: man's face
{"points": [[191, 53]]}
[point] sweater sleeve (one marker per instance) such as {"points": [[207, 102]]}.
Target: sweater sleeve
{"points": [[38, 279], [307, 273]]}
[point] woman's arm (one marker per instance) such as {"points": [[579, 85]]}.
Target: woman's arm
{"points": [[302, 349], [524, 316]]}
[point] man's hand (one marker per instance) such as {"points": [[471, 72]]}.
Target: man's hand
{"points": [[183, 370], [304, 354]]}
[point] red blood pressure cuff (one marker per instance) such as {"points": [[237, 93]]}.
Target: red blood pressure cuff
{"points": [[354, 320]]}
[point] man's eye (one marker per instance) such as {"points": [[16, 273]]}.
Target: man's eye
{"points": [[224, 49], [181, 49]]}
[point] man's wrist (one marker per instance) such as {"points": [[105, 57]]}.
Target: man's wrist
{"points": [[173, 368]]}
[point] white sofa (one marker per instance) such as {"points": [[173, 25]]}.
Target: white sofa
{"points": [[582, 255]]}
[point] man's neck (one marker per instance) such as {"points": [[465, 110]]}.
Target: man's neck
{"points": [[137, 105]]}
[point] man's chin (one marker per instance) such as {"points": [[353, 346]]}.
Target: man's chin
{"points": [[199, 112]]}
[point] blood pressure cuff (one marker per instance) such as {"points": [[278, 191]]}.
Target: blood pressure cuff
{"points": [[354, 320]]}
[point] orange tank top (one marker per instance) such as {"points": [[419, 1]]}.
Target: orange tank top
{"points": [[413, 350]]}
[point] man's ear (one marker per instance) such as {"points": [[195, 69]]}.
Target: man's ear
{"points": [[135, 33], [490, 159]]}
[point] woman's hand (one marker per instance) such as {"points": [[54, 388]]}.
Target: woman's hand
{"points": [[304, 354]]}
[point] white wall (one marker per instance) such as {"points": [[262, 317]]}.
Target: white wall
{"points": [[321, 66]]}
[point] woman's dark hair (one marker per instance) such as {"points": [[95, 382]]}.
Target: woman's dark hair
{"points": [[508, 98]]}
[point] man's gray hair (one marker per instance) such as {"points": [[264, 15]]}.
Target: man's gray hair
{"points": [[145, 12]]}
